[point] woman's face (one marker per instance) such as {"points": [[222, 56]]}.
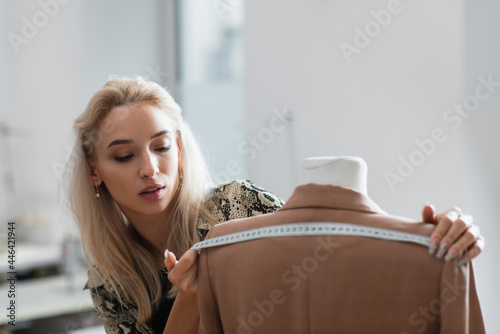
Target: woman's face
{"points": [[138, 159]]}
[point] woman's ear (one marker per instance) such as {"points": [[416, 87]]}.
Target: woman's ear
{"points": [[179, 149], [94, 174]]}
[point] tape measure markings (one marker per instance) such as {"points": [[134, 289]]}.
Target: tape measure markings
{"points": [[313, 229]]}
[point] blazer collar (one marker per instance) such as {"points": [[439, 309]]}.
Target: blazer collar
{"points": [[330, 197]]}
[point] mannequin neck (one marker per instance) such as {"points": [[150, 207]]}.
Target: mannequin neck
{"points": [[348, 172]]}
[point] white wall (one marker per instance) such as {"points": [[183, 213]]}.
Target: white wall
{"points": [[210, 83], [43, 93], [4, 106], [483, 157], [394, 92], [121, 38], [391, 94]]}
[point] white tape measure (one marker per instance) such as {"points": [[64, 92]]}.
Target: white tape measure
{"points": [[313, 229]]}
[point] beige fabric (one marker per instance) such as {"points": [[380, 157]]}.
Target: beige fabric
{"points": [[332, 284]]}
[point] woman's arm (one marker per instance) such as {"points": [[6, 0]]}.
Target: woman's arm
{"points": [[184, 316]]}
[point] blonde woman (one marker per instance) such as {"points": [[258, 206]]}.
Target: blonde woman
{"points": [[139, 186]]}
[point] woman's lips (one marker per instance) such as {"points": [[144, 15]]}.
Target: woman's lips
{"points": [[153, 195]]}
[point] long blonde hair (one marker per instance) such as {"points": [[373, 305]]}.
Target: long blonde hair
{"points": [[112, 247]]}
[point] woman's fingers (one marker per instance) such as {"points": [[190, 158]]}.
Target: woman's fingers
{"points": [[456, 225], [461, 236], [183, 273], [473, 252], [170, 260], [455, 235], [443, 222], [428, 214]]}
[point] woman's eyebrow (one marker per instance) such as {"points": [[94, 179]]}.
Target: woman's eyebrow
{"points": [[120, 141], [161, 133], [130, 141]]}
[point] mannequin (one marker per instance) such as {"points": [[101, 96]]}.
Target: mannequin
{"points": [[348, 172]]}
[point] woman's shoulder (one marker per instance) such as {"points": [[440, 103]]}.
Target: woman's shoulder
{"points": [[239, 199], [237, 195], [245, 190], [94, 280], [98, 283]]}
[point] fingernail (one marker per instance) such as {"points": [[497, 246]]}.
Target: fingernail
{"points": [[428, 203], [166, 253], [452, 253], [462, 261], [442, 250], [433, 246]]}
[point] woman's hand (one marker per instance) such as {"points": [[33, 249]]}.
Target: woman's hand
{"points": [[455, 234], [183, 273], [184, 316]]}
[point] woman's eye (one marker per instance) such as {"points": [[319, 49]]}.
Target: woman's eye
{"points": [[164, 148], [124, 158]]}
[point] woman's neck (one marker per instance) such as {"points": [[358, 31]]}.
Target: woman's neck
{"points": [[153, 230]]}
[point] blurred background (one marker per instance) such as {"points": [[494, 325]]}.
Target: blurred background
{"points": [[409, 86]]}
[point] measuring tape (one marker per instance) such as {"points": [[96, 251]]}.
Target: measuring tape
{"points": [[313, 229]]}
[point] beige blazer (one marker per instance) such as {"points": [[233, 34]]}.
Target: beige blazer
{"points": [[333, 284]]}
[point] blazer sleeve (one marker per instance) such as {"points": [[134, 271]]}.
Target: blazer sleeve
{"points": [[476, 323], [458, 304], [209, 311]]}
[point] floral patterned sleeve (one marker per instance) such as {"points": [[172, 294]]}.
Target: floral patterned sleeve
{"points": [[239, 199]]}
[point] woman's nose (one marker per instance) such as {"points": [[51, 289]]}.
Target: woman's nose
{"points": [[149, 165]]}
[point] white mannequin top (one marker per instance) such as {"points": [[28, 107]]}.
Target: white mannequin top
{"points": [[348, 172]]}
